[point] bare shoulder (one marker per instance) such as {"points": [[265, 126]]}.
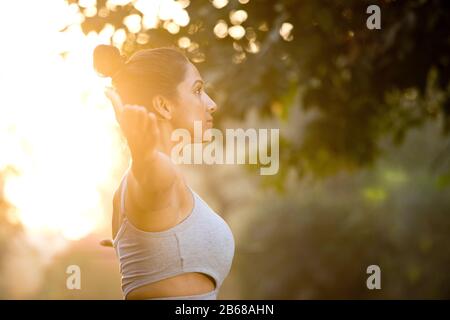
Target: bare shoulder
{"points": [[168, 208]]}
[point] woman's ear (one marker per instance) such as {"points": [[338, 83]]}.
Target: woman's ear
{"points": [[163, 107]]}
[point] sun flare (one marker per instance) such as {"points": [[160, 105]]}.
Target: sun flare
{"points": [[57, 130]]}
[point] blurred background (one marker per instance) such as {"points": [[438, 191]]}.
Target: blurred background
{"points": [[364, 119]]}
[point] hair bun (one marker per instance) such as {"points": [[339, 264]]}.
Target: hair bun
{"points": [[107, 60]]}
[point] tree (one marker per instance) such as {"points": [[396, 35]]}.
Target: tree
{"points": [[319, 55]]}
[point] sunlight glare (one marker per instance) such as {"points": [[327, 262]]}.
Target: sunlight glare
{"points": [[56, 127]]}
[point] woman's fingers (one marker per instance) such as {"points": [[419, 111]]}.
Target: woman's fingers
{"points": [[106, 243], [140, 129], [138, 125], [112, 95], [135, 119], [135, 115]]}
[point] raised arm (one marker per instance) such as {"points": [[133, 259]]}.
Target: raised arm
{"points": [[153, 175]]}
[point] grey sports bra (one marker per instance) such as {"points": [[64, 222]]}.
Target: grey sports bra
{"points": [[202, 242]]}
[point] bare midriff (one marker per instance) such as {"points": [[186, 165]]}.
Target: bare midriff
{"points": [[186, 284]]}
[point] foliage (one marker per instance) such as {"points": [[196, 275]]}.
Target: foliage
{"points": [[318, 240], [330, 61]]}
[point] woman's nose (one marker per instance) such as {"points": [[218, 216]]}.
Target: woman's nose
{"points": [[212, 106]]}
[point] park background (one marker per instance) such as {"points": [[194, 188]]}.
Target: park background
{"points": [[364, 119]]}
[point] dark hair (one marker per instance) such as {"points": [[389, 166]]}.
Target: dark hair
{"points": [[147, 73]]}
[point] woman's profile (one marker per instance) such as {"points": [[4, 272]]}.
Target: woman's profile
{"points": [[169, 243]]}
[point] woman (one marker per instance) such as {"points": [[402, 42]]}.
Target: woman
{"points": [[170, 244]]}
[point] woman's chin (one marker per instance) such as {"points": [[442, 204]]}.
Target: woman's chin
{"points": [[207, 125]]}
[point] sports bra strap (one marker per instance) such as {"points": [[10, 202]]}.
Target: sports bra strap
{"points": [[122, 194]]}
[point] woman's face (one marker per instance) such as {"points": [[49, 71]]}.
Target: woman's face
{"points": [[194, 104]]}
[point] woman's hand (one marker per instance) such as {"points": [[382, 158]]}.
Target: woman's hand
{"points": [[106, 243], [138, 126]]}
